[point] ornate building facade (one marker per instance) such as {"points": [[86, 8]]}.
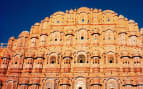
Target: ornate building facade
{"points": [[83, 48]]}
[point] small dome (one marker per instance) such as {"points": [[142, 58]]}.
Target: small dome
{"points": [[12, 38], [83, 9], [47, 19], [100, 10], [24, 34], [126, 19], [121, 17], [131, 21], [95, 10], [141, 30], [71, 11], [58, 13], [37, 24], [108, 11]]}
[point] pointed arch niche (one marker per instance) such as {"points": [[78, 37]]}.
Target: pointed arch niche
{"points": [[112, 83]]}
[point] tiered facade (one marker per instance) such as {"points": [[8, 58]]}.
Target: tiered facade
{"points": [[78, 49]]}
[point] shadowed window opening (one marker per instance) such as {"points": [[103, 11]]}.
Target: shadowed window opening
{"points": [[81, 59], [55, 39], [58, 21], [111, 61], [82, 38], [15, 62], [88, 21], [82, 20], [53, 60], [108, 20], [80, 88]]}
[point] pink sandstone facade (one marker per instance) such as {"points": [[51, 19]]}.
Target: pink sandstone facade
{"points": [[83, 48]]}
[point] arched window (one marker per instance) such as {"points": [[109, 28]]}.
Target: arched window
{"points": [[122, 38], [111, 60], [48, 84], [43, 40], [33, 42], [81, 59], [112, 84], [82, 34], [132, 40], [109, 35], [52, 60]]}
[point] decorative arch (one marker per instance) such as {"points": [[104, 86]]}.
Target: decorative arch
{"points": [[48, 83], [81, 57], [112, 83], [82, 34], [110, 57], [53, 58], [108, 35], [56, 36], [17, 59], [83, 16], [58, 18], [43, 39], [80, 83], [83, 9]]}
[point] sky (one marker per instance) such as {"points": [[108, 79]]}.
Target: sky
{"points": [[19, 15]]}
